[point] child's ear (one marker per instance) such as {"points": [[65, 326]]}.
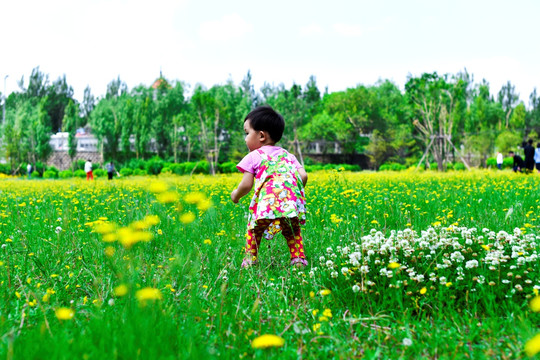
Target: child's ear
{"points": [[262, 136]]}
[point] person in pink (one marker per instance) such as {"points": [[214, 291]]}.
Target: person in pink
{"points": [[278, 202]]}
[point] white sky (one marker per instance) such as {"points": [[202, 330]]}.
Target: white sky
{"points": [[342, 42]]}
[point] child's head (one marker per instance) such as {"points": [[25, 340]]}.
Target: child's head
{"points": [[266, 119]]}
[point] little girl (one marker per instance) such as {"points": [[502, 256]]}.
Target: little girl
{"points": [[278, 203]]}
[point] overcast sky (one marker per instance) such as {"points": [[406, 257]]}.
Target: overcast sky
{"points": [[342, 42]]}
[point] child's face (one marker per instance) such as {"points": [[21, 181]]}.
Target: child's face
{"points": [[252, 136]]}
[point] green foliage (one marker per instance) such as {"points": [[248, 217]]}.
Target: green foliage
{"points": [[508, 163], [154, 165], [99, 172], [65, 174], [5, 169], [139, 172], [507, 141], [48, 174], [392, 167], [459, 166], [126, 171], [227, 167], [491, 162], [79, 173]]}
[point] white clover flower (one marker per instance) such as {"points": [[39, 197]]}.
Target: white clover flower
{"points": [[504, 281], [329, 264], [364, 269], [58, 230], [345, 270], [329, 250], [407, 342], [334, 274], [355, 288], [312, 274], [471, 264]]}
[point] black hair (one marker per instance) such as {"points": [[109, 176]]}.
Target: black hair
{"points": [[530, 141], [264, 118], [511, 152]]}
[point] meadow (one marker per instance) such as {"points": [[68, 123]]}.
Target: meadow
{"points": [[401, 265]]}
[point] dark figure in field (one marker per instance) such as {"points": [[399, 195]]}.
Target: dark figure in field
{"points": [[110, 170], [528, 149], [518, 161]]}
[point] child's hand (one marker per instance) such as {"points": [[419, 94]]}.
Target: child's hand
{"points": [[234, 196]]}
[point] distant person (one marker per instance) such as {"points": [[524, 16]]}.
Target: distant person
{"points": [[537, 157], [518, 162], [110, 170], [500, 159], [529, 151], [88, 170], [29, 169]]}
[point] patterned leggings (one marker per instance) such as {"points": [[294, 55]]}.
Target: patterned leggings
{"points": [[289, 227]]}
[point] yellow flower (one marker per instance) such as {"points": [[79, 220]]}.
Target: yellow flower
{"points": [[327, 313], [323, 318], [485, 247], [325, 292], [109, 251], [121, 290], [532, 347], [311, 294], [393, 265], [448, 284], [148, 293], [535, 304], [423, 291], [316, 327], [168, 197], [158, 187], [194, 198], [208, 241], [64, 313], [315, 312], [204, 205], [267, 341], [109, 237], [187, 217], [104, 228]]}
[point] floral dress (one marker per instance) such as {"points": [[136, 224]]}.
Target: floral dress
{"points": [[279, 191]]}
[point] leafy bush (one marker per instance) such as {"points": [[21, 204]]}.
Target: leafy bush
{"points": [[54, 169], [79, 164], [136, 164], [5, 169], [66, 174], [312, 168], [202, 167], [392, 167], [126, 171], [139, 172], [433, 166], [154, 165], [99, 172], [227, 167], [79, 173], [166, 170], [49, 174], [508, 163], [450, 166], [491, 162], [459, 166], [177, 169]]}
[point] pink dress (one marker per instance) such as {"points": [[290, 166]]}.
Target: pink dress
{"points": [[279, 191]]}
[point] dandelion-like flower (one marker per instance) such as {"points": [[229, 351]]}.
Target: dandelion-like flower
{"points": [[532, 347], [267, 341], [148, 294], [64, 313]]}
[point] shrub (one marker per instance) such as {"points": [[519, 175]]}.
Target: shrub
{"points": [[53, 169], [202, 167], [450, 166], [154, 165], [508, 163], [136, 164], [5, 169], [66, 174], [79, 164], [139, 172], [392, 167], [166, 170], [227, 167], [312, 168], [79, 173], [433, 166], [491, 162], [459, 166], [126, 171], [177, 169], [99, 172], [49, 174]]}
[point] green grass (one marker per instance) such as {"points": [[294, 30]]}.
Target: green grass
{"points": [[211, 308]]}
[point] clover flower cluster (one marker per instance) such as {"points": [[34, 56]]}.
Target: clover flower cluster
{"points": [[450, 256]]}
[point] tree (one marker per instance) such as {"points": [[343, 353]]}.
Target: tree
{"points": [[508, 98], [88, 104], [71, 123]]}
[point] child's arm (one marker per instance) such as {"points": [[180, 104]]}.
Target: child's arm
{"points": [[243, 188], [303, 175]]}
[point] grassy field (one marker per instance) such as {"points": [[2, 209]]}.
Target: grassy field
{"points": [[402, 265]]}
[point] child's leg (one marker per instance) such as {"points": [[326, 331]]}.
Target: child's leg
{"points": [[253, 240], [290, 228]]}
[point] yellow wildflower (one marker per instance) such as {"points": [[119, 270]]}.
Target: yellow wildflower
{"points": [[423, 291], [325, 292], [64, 313], [327, 313], [393, 265], [187, 217], [535, 304], [148, 293], [485, 247], [208, 241], [532, 347], [267, 341], [158, 187], [121, 290], [168, 197]]}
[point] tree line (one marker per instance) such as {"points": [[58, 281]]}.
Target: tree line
{"points": [[448, 113]]}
